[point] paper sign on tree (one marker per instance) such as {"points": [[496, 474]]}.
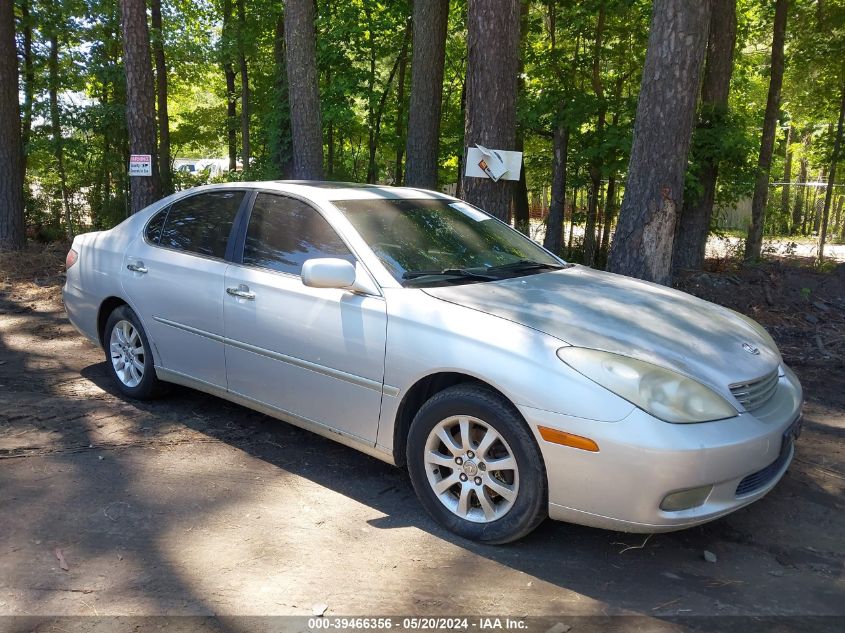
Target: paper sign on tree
{"points": [[495, 164]]}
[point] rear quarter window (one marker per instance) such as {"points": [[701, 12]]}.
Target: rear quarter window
{"points": [[153, 231], [202, 223]]}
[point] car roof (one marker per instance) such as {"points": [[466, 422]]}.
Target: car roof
{"points": [[329, 190]]}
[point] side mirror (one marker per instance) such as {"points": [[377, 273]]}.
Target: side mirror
{"points": [[328, 272]]}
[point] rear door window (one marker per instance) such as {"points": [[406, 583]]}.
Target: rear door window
{"points": [[201, 224], [285, 232]]}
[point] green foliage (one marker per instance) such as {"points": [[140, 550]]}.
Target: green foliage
{"points": [[559, 53], [566, 79], [725, 138]]}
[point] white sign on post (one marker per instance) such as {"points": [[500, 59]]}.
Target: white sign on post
{"points": [[496, 164], [140, 165]]}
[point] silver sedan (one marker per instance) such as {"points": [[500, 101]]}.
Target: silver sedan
{"points": [[422, 331]]}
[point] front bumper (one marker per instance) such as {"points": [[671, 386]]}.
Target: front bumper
{"points": [[642, 459]]}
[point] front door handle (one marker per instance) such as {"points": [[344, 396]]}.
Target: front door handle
{"points": [[137, 267], [242, 292]]}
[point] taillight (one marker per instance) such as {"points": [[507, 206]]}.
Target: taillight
{"points": [[71, 258]]}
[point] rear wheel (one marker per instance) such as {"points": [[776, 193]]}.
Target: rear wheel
{"points": [[475, 465], [128, 355]]}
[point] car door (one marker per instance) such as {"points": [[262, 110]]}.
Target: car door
{"points": [[173, 275], [316, 353]]}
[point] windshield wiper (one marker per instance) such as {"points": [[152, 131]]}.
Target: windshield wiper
{"points": [[447, 272], [526, 264]]}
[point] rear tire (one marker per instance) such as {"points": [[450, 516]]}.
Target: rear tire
{"points": [[475, 465], [129, 356]]}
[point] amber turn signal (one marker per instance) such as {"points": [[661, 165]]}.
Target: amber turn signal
{"points": [[568, 439]]}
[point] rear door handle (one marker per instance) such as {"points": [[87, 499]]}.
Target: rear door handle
{"points": [[137, 267], [242, 292]]}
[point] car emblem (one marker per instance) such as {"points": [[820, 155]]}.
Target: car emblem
{"points": [[748, 347]]}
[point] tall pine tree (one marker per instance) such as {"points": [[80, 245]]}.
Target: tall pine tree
{"points": [[140, 100], [642, 246], [12, 236], [492, 65]]}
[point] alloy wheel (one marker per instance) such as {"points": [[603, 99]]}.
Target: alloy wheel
{"points": [[127, 353], [471, 469]]}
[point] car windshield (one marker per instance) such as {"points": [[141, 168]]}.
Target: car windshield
{"points": [[437, 242]]}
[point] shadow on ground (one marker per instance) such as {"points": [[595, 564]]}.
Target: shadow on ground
{"points": [[194, 506]]}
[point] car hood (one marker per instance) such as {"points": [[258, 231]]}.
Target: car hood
{"points": [[614, 313]]}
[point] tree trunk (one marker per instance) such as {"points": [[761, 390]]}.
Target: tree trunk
{"points": [[697, 212], [115, 163], [521, 208], [56, 129], [593, 193], [28, 81], [281, 143], [459, 182], [161, 96], [102, 188], [642, 245], [813, 211], [806, 214], [330, 160], [556, 219], [609, 210], [595, 167], [231, 115], [400, 116], [754, 243], [492, 64], [140, 100], [554, 225], [787, 174], [572, 208], [831, 179], [817, 216], [371, 93], [798, 208], [231, 91], [304, 91], [12, 232], [423, 144], [246, 151], [375, 116]]}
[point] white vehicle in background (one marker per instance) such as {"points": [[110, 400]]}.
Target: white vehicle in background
{"points": [[195, 166]]}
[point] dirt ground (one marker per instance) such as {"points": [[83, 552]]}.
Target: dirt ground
{"points": [[191, 506]]}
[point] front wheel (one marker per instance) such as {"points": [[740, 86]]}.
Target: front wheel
{"points": [[475, 465], [128, 355]]}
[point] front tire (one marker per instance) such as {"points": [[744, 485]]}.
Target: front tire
{"points": [[475, 466], [129, 357]]}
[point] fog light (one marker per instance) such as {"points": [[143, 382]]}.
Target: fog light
{"points": [[685, 499]]}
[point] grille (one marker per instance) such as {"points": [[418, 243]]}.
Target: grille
{"points": [[755, 393], [755, 481]]}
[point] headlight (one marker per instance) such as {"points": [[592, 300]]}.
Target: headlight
{"points": [[663, 393]]}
